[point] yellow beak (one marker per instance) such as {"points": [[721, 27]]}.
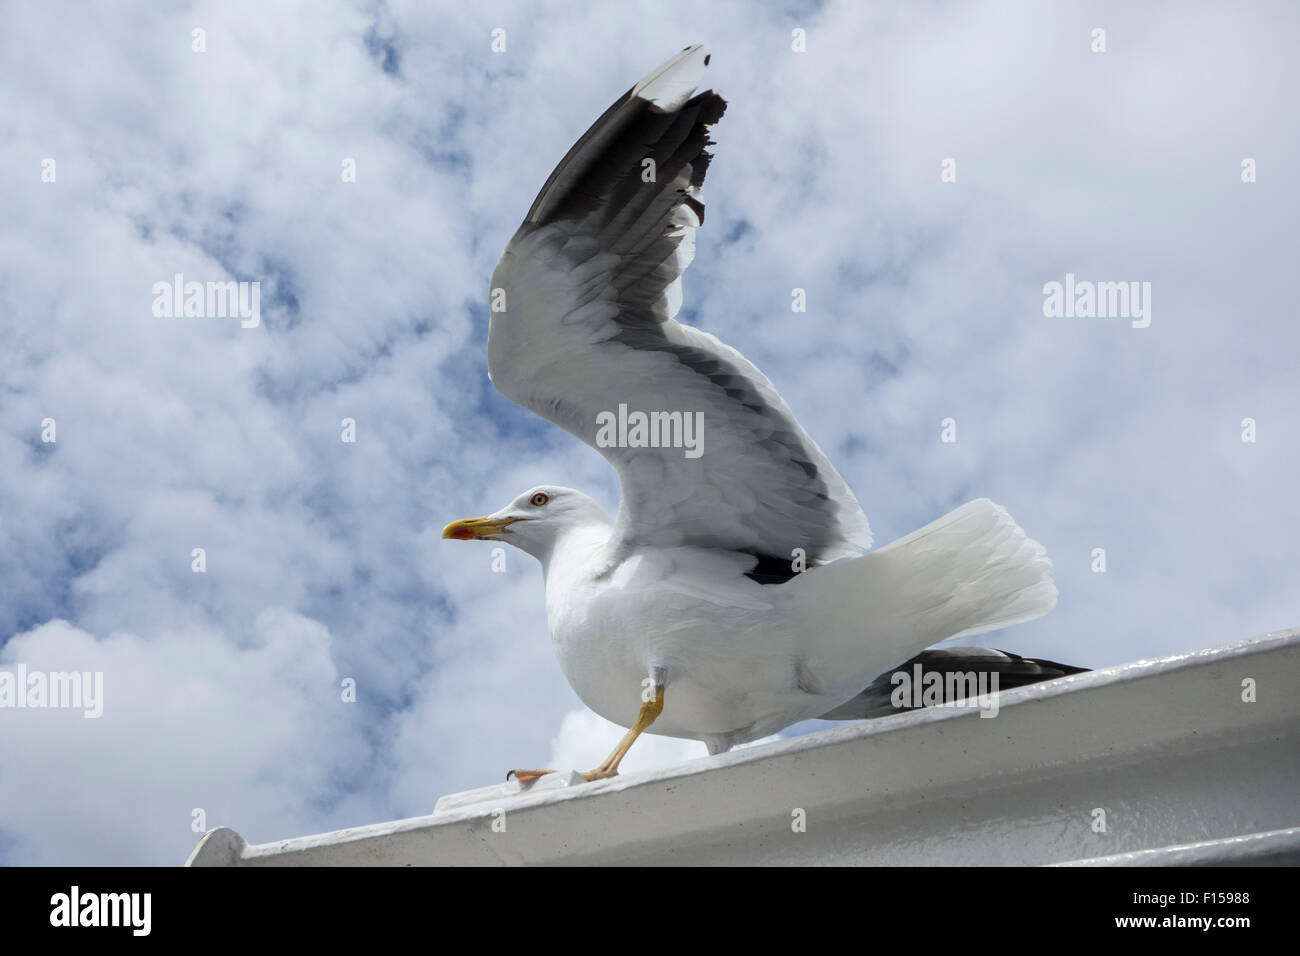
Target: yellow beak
{"points": [[470, 529]]}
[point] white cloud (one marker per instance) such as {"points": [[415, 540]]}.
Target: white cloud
{"points": [[257, 734]]}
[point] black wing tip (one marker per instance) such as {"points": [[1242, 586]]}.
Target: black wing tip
{"points": [[1064, 669], [1012, 670], [681, 136], [711, 109], [710, 105]]}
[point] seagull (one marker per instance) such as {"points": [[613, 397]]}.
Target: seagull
{"points": [[735, 592]]}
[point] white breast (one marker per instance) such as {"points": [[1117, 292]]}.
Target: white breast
{"points": [[688, 611]]}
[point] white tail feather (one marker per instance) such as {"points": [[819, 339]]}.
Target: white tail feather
{"points": [[979, 567], [971, 571]]}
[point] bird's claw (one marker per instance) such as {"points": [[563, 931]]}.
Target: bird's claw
{"points": [[526, 777]]}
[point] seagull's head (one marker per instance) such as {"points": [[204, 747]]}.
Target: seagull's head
{"points": [[534, 521]]}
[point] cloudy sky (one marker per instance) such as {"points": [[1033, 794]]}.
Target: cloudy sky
{"points": [[222, 699]]}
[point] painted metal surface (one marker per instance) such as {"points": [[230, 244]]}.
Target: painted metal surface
{"points": [[1159, 761]]}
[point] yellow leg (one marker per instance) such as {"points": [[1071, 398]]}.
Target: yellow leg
{"points": [[648, 714], [650, 711]]}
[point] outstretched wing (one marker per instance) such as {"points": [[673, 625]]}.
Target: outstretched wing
{"points": [[583, 334]]}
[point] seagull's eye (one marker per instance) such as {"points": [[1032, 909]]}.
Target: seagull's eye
{"points": [[539, 499]]}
